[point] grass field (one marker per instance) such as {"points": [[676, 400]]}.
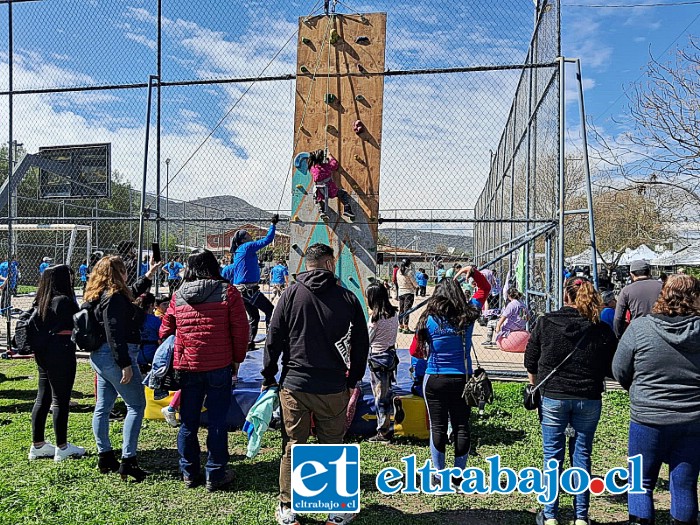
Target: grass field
{"points": [[74, 492]]}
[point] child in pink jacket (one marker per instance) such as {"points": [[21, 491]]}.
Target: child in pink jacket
{"points": [[322, 173]]}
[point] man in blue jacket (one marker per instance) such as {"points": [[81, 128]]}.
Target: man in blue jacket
{"points": [[244, 273]]}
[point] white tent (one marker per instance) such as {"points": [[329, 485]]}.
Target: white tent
{"points": [[642, 252], [687, 256]]}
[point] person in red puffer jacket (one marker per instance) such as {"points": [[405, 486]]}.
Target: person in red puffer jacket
{"points": [[209, 321]]}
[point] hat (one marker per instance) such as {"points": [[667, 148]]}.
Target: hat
{"points": [[608, 296], [640, 265], [47, 259]]}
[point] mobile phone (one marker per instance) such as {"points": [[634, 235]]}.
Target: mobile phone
{"points": [[155, 249]]}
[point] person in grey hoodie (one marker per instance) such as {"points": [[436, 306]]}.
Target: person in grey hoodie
{"points": [[658, 361]]}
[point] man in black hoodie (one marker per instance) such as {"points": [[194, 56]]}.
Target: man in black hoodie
{"points": [[319, 329]]}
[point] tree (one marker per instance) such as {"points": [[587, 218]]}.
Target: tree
{"points": [[663, 147], [441, 249]]}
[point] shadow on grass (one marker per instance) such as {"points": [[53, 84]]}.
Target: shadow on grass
{"points": [[386, 515]]}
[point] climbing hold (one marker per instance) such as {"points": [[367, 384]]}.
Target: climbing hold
{"points": [[372, 219], [296, 218], [362, 40], [364, 19], [306, 41], [360, 98], [295, 246], [330, 98], [357, 158], [334, 36], [302, 128], [361, 68], [331, 129], [304, 69], [359, 127], [301, 188]]}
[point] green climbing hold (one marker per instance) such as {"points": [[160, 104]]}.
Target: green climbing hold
{"points": [[330, 98], [306, 41], [304, 69], [334, 36]]}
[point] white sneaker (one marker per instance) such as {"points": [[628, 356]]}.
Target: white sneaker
{"points": [[170, 416], [340, 518], [71, 451], [47, 450], [285, 515]]}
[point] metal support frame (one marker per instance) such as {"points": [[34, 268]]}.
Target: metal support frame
{"points": [[562, 183], [142, 215]]}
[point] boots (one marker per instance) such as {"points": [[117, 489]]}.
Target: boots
{"points": [[130, 467], [634, 520], [107, 462]]}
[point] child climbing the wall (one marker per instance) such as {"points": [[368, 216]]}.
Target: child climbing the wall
{"points": [[322, 172]]}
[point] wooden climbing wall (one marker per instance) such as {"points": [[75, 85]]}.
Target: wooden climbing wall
{"points": [[356, 91]]}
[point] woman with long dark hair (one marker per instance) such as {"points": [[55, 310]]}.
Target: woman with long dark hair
{"points": [[575, 342], [407, 286], [383, 327], [208, 318], [658, 361], [115, 362], [444, 335], [56, 304]]}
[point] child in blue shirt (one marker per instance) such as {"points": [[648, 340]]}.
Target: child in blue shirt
{"points": [[149, 330], [83, 271], [422, 280]]}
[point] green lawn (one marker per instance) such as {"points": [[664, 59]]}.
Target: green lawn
{"points": [[74, 492]]}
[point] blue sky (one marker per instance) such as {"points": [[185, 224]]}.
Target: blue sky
{"points": [[437, 130]]}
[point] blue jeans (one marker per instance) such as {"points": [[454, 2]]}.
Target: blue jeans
{"points": [[109, 376], [381, 389], [216, 387], [583, 415], [677, 445]]}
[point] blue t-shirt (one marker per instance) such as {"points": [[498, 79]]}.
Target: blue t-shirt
{"points": [[83, 271], [421, 279], [149, 332], [607, 316], [245, 259], [441, 274], [4, 269], [278, 273], [43, 266], [173, 269], [227, 272], [144, 269], [448, 348]]}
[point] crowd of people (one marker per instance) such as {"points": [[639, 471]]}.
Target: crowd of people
{"points": [[318, 345]]}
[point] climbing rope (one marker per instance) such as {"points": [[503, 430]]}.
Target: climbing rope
{"points": [[233, 107], [328, 88], [298, 132]]}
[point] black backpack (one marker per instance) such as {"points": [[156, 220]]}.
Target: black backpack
{"points": [[30, 333], [88, 334]]}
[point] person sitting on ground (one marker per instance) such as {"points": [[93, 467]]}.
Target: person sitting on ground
{"points": [[383, 327], [580, 347], [322, 172], [55, 302], [638, 297], [658, 362], [607, 315], [444, 336], [149, 331], [207, 317], [319, 331], [244, 274]]}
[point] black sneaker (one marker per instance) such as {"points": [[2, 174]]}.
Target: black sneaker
{"points": [[399, 414], [379, 438], [213, 486], [194, 481], [347, 212]]}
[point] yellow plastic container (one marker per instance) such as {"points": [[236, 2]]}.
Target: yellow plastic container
{"points": [[153, 407], [415, 424]]}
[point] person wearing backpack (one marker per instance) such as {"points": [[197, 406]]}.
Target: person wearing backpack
{"points": [[115, 361], [578, 347], [49, 336], [444, 336]]}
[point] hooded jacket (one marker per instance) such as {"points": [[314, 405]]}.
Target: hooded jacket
{"points": [[210, 325], [554, 336], [311, 321], [658, 361]]}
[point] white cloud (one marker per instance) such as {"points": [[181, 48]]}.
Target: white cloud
{"points": [[142, 39]]}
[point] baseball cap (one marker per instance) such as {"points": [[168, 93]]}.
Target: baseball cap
{"points": [[640, 265]]}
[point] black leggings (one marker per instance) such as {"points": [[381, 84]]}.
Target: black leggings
{"points": [[253, 303], [57, 365], [405, 304], [443, 396]]}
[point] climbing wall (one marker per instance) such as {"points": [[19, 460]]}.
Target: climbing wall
{"points": [[339, 82]]}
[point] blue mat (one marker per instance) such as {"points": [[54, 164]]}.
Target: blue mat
{"points": [[249, 383]]}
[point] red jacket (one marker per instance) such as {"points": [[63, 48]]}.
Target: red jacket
{"points": [[210, 326]]}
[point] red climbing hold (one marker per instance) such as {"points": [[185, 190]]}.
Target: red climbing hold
{"points": [[358, 127]]}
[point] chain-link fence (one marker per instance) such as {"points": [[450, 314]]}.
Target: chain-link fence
{"points": [[222, 124]]}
